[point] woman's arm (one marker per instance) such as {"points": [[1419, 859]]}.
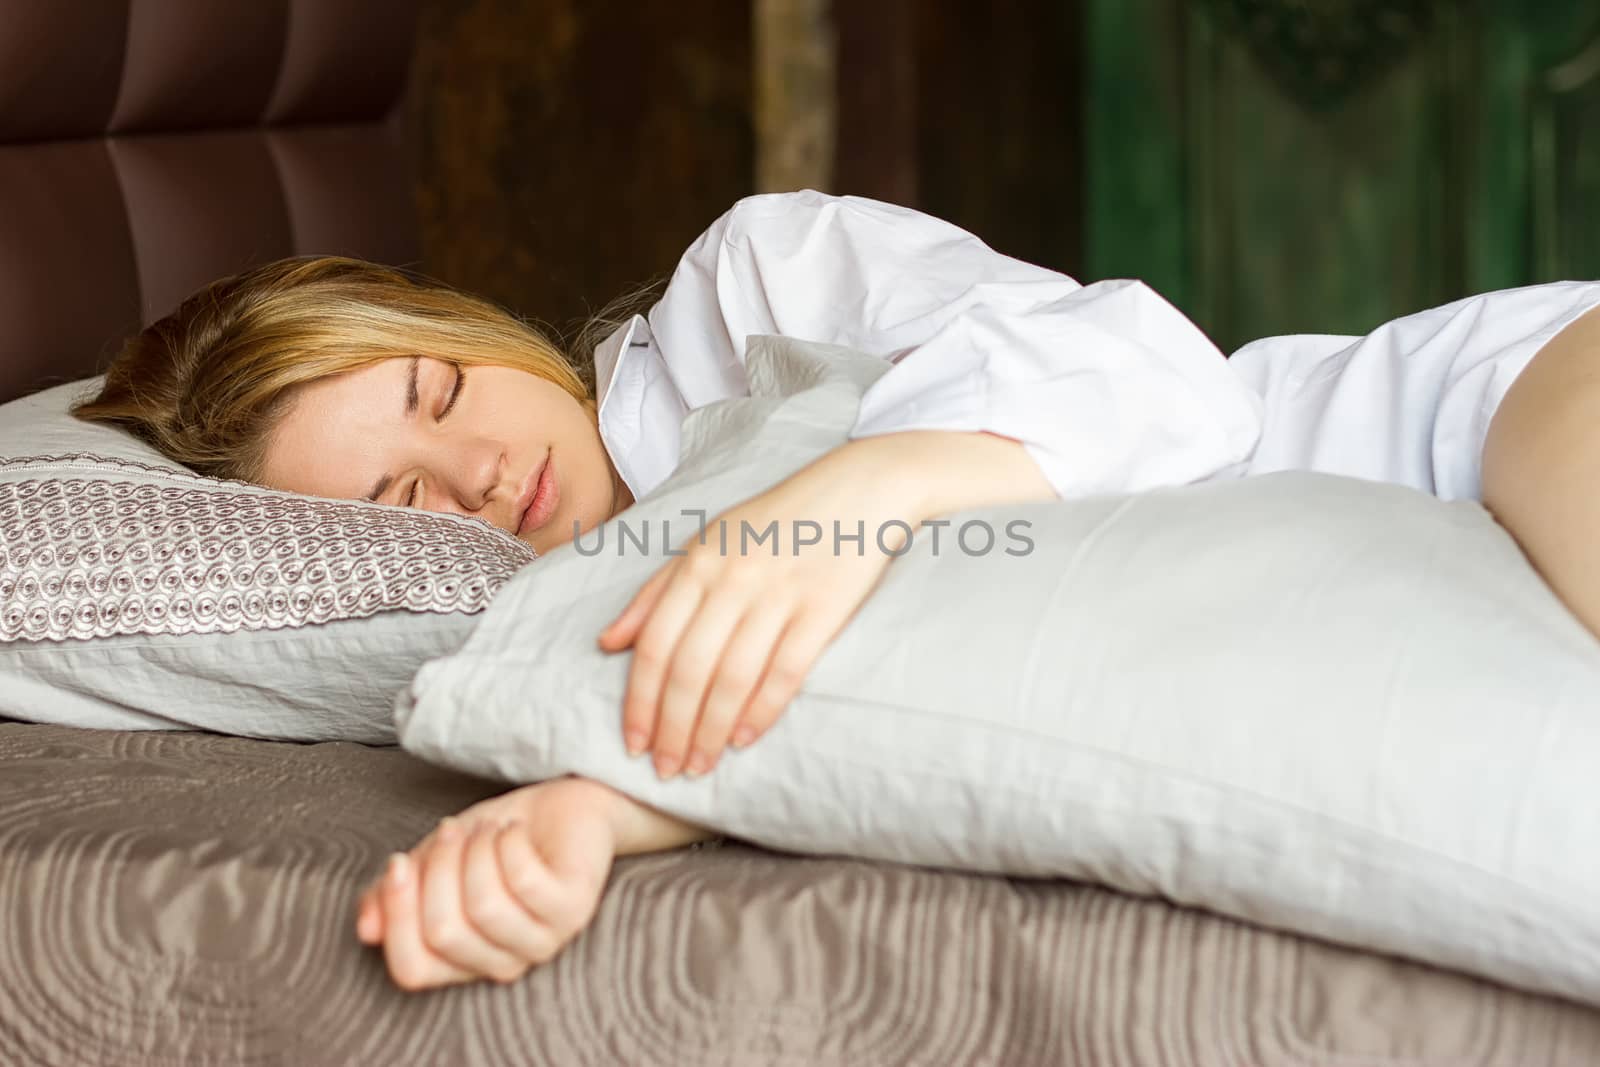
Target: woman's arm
{"points": [[723, 640], [942, 471], [639, 828], [506, 884]]}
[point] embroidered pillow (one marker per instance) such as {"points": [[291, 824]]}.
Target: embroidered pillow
{"points": [[135, 594]]}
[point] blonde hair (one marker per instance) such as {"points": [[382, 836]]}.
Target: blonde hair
{"points": [[206, 385]]}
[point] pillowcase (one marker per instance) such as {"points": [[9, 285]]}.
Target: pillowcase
{"points": [[1343, 708], [135, 594]]}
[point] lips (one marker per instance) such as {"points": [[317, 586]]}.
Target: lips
{"points": [[538, 499]]}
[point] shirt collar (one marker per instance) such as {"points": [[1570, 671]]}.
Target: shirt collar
{"points": [[609, 354], [620, 386]]}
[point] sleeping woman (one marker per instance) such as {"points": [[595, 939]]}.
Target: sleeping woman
{"points": [[1009, 383]]}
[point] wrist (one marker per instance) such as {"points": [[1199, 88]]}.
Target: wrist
{"points": [[634, 827]]}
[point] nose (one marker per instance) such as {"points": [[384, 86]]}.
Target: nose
{"points": [[461, 480]]}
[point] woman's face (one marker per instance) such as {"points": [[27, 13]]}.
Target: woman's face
{"points": [[494, 442]]}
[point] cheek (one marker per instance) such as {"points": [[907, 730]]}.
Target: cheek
{"points": [[591, 486], [341, 460]]}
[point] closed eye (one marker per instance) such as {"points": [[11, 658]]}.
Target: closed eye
{"points": [[455, 392]]}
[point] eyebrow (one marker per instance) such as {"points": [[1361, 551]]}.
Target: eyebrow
{"points": [[412, 403]]}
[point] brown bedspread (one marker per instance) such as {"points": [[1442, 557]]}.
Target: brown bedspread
{"points": [[186, 898]]}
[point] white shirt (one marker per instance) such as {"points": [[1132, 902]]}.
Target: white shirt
{"points": [[1109, 387], [1409, 403]]}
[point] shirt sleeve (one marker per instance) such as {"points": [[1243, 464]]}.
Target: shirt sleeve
{"points": [[1109, 387]]}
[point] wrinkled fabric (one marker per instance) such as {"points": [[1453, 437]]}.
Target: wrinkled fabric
{"points": [[183, 898], [1412, 401], [1109, 387]]}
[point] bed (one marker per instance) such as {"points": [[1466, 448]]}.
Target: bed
{"points": [[180, 897]]}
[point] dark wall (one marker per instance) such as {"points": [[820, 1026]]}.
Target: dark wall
{"points": [[1309, 168], [567, 150], [969, 111]]}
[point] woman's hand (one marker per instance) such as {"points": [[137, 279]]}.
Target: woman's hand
{"points": [[497, 889], [724, 635], [507, 883]]}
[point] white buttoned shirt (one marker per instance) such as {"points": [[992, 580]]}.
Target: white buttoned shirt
{"points": [[1411, 402], [1108, 387]]}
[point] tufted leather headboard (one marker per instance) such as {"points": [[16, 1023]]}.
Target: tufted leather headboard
{"points": [[150, 146]]}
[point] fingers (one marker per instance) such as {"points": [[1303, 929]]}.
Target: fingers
{"points": [[625, 627], [733, 676], [494, 898], [564, 907], [698, 657], [713, 662], [429, 925], [737, 676], [801, 645], [369, 917], [652, 655], [720, 648], [412, 964], [447, 928]]}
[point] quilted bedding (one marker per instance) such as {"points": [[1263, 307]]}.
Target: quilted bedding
{"points": [[173, 898]]}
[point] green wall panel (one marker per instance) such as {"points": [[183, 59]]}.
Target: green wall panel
{"points": [[1281, 167]]}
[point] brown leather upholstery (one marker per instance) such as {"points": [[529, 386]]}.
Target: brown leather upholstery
{"points": [[150, 146]]}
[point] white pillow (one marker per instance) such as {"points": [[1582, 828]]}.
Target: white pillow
{"points": [[135, 594], [1339, 707]]}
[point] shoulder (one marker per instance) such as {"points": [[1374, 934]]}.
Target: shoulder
{"points": [[775, 217]]}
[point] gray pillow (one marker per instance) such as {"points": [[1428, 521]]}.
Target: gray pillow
{"points": [[1340, 707], [135, 594]]}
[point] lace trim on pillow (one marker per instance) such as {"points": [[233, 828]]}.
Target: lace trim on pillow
{"points": [[97, 556], [91, 458]]}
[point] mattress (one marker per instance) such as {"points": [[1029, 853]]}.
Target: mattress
{"points": [[172, 898]]}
